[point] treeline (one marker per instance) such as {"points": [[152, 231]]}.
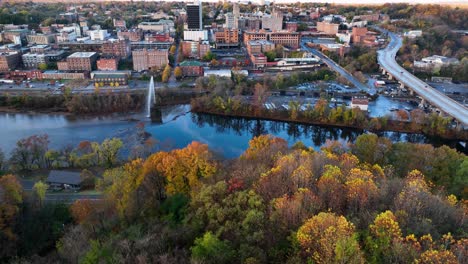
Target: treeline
{"points": [[358, 60], [239, 84], [367, 202], [76, 103], [321, 113], [438, 40], [105, 103]]}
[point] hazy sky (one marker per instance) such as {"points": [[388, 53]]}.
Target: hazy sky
{"points": [[354, 1]]}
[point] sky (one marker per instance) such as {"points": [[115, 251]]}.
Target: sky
{"points": [[342, 1]]}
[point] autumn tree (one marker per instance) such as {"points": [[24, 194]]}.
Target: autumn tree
{"points": [[40, 190], [120, 185], [238, 217], [328, 185], [259, 98], [166, 74], [264, 146], [386, 244], [109, 151], [328, 238], [437, 257], [30, 152], [178, 73], [361, 190], [182, 168], [372, 149], [11, 198], [88, 180]]}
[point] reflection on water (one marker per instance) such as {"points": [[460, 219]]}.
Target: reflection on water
{"points": [[227, 136]]}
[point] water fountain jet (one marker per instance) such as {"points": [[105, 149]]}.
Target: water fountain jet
{"points": [[151, 98]]}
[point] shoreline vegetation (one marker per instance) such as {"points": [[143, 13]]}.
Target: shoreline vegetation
{"points": [[321, 114], [90, 104]]}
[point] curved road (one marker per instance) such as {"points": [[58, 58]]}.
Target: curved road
{"points": [[386, 59], [334, 66]]}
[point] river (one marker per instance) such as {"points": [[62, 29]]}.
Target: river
{"points": [[176, 128]]}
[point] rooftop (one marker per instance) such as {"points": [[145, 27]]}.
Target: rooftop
{"points": [[190, 63], [65, 177], [39, 46], [110, 74], [260, 42], [82, 55]]}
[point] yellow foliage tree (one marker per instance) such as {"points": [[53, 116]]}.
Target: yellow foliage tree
{"points": [[325, 234], [437, 257], [386, 226], [182, 168]]}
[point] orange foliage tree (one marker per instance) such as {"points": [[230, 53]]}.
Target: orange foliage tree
{"points": [[182, 168]]}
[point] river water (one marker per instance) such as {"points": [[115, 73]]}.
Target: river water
{"points": [[175, 128]]}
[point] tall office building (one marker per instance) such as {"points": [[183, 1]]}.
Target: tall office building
{"points": [[194, 16]]}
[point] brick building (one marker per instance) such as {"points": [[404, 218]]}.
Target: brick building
{"points": [[107, 64], [132, 35], [23, 75], [227, 38], [110, 78], [116, 48], [259, 46], [363, 36], [58, 75], [78, 61], [285, 38], [327, 28], [145, 59], [9, 61], [258, 60], [291, 26], [358, 33], [191, 68], [159, 37], [194, 49]]}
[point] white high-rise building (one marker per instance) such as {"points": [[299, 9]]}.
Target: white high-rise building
{"points": [[236, 10], [231, 21]]}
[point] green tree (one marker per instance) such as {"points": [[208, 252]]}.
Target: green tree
{"points": [[40, 190], [109, 151], [235, 216], [372, 149], [210, 249], [42, 66]]}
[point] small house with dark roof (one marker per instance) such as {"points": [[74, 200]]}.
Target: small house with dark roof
{"points": [[64, 180]]}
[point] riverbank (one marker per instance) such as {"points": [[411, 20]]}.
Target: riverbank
{"points": [[369, 124], [91, 103]]}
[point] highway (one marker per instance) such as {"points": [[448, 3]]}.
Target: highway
{"points": [[337, 68], [386, 59]]}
